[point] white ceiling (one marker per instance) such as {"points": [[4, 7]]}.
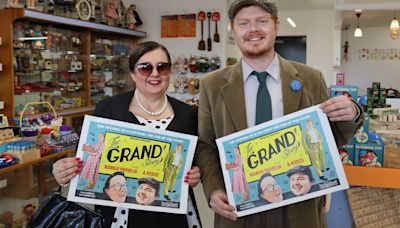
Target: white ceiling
{"points": [[368, 18]]}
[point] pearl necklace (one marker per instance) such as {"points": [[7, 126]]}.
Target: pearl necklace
{"points": [[148, 111]]}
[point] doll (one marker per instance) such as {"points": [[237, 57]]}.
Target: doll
{"points": [[31, 4], [130, 17], [12, 3], [28, 211], [111, 12]]}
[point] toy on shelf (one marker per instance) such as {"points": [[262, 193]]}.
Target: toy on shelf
{"points": [[31, 4], [111, 12]]}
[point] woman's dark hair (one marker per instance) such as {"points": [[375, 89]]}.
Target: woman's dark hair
{"points": [[143, 48], [107, 184]]}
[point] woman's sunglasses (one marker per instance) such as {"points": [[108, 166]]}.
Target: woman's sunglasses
{"points": [[145, 69]]}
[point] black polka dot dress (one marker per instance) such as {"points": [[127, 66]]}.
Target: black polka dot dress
{"points": [[121, 214]]}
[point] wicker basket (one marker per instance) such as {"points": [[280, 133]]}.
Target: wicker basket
{"points": [[375, 207]]}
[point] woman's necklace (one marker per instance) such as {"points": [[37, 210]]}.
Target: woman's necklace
{"points": [[148, 111]]}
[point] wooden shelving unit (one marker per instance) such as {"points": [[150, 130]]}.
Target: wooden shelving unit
{"points": [[87, 30], [373, 177]]}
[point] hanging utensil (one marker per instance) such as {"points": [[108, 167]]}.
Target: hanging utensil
{"points": [[201, 16], [209, 41], [216, 17]]}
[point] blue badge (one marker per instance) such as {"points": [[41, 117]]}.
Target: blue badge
{"points": [[295, 85]]}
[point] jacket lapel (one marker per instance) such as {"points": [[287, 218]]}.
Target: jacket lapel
{"points": [[233, 95], [291, 98]]}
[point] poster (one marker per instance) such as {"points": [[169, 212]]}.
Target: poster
{"points": [[132, 166], [281, 162]]}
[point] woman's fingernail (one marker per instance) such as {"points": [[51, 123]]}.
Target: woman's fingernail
{"points": [[188, 173], [186, 180], [186, 177], [78, 159]]}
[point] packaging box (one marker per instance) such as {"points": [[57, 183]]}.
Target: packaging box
{"points": [[351, 91], [347, 154], [369, 154], [392, 156]]}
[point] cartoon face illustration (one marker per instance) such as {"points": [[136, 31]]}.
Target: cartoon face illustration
{"points": [[117, 190], [147, 191], [300, 184], [270, 190]]}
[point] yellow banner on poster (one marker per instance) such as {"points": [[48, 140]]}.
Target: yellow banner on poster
{"points": [[275, 153], [136, 157]]}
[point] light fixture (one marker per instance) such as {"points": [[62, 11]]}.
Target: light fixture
{"points": [[358, 31], [394, 25], [33, 38], [291, 22]]}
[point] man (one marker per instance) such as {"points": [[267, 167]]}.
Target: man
{"points": [[147, 191], [301, 181], [312, 142], [172, 164], [115, 187], [269, 190], [228, 104]]}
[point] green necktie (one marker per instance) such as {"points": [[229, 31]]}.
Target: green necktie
{"points": [[263, 106]]}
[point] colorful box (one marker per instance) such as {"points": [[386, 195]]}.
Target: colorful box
{"points": [[351, 91], [369, 154], [347, 154]]}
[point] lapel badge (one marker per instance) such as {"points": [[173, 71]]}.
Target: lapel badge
{"points": [[295, 85]]}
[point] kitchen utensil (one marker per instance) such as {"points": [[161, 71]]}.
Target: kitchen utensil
{"points": [[209, 41], [216, 17], [201, 16]]}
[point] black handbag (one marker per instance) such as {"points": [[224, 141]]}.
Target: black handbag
{"points": [[58, 212]]}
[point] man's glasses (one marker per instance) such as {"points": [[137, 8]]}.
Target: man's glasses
{"points": [[117, 186], [145, 69], [271, 187]]}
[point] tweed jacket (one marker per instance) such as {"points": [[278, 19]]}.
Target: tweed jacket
{"points": [[222, 112]]}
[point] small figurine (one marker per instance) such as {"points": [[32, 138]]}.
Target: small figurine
{"points": [[37, 32], [31, 4], [214, 64], [130, 17], [28, 210], [193, 64], [12, 3], [193, 86], [6, 218], [111, 12]]}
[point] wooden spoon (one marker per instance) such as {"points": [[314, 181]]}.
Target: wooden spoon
{"points": [[201, 17]]}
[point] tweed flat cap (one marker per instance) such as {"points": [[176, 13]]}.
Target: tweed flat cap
{"points": [[237, 5]]}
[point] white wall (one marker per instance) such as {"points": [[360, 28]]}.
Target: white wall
{"points": [[319, 27], [362, 72], [150, 12]]}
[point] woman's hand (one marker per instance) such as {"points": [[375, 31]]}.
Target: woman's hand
{"points": [[65, 169], [193, 176]]}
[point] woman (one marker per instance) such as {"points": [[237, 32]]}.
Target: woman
{"points": [[148, 105], [239, 182]]}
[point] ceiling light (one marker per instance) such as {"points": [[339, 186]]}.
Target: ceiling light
{"points": [[358, 31], [394, 25], [291, 22]]}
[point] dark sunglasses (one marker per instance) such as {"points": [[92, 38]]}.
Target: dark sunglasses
{"points": [[145, 69]]}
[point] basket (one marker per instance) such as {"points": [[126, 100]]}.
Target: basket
{"points": [[27, 105], [374, 207]]}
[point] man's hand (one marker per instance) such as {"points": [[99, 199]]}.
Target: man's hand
{"points": [[339, 108], [219, 203]]}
